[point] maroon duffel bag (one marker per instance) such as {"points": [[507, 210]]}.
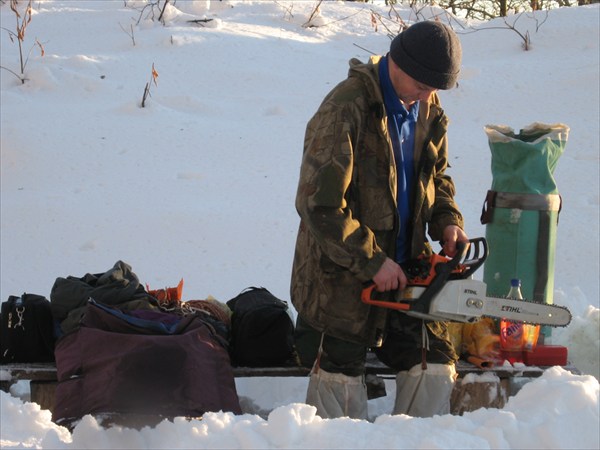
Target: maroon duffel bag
{"points": [[117, 363]]}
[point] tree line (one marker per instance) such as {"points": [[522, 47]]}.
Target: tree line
{"points": [[489, 9]]}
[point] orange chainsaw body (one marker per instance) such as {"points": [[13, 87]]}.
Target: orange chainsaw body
{"points": [[427, 275]]}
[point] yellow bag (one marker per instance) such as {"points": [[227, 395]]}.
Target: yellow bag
{"points": [[481, 342], [455, 331]]}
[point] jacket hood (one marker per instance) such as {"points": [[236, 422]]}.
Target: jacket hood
{"points": [[369, 73]]}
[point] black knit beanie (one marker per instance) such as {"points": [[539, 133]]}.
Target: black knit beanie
{"points": [[429, 52]]}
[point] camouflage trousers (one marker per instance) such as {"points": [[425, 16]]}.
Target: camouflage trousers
{"points": [[408, 341]]}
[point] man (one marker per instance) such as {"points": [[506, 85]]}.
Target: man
{"points": [[372, 183]]}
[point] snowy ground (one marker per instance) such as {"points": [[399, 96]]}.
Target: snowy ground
{"points": [[200, 184]]}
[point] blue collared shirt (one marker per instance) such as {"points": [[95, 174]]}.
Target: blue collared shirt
{"points": [[401, 127]]}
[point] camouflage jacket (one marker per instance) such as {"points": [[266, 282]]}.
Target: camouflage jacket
{"points": [[346, 200]]}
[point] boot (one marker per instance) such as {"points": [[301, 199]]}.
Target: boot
{"points": [[337, 395], [425, 392]]}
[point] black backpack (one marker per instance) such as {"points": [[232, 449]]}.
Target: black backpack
{"points": [[262, 330], [26, 330]]}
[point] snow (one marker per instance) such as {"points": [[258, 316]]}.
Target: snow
{"points": [[200, 184]]}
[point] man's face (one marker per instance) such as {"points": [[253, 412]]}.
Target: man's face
{"points": [[407, 88]]}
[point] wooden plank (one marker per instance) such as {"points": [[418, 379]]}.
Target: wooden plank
{"points": [[29, 371], [47, 371], [293, 371]]}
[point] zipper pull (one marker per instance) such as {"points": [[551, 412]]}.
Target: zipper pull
{"points": [[20, 314]]}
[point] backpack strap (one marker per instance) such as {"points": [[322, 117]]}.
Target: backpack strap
{"points": [[542, 255], [510, 200]]}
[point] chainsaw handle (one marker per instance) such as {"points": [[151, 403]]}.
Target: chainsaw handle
{"points": [[475, 256], [366, 297]]}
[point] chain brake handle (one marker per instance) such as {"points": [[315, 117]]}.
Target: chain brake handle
{"points": [[469, 257]]}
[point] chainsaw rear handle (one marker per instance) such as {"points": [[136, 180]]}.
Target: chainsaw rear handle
{"points": [[469, 257], [366, 298]]}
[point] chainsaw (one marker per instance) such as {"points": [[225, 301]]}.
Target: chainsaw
{"points": [[443, 289]]}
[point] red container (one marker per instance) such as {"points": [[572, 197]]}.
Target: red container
{"points": [[514, 356], [546, 355]]}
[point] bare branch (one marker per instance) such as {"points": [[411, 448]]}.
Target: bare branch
{"points": [[129, 33], [539, 24], [146, 94], [287, 9], [162, 13], [19, 77], [525, 37], [362, 48], [19, 34], [314, 13], [153, 78], [200, 21], [390, 33]]}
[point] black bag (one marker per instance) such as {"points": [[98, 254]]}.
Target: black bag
{"points": [[27, 329], [262, 330]]}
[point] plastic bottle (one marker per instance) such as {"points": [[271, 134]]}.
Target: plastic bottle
{"points": [[531, 334], [517, 337], [511, 333]]}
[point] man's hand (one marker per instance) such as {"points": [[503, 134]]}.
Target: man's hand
{"points": [[452, 235], [390, 276]]}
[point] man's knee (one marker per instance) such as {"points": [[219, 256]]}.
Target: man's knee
{"points": [[334, 355]]}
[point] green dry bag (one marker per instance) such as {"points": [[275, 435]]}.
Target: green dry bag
{"points": [[521, 209]]}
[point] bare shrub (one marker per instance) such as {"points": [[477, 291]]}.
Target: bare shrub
{"points": [[22, 21]]}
